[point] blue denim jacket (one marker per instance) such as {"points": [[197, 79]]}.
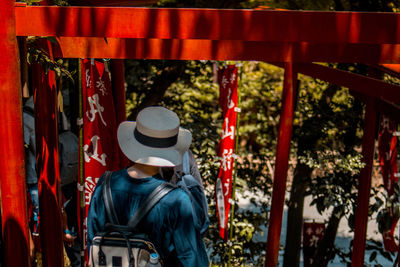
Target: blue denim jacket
{"points": [[169, 224]]}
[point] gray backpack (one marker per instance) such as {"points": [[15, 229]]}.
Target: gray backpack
{"points": [[69, 157], [123, 245], [195, 190]]}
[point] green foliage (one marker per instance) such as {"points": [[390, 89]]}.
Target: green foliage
{"points": [[324, 119], [37, 2], [331, 5], [32, 2], [36, 54], [212, 3], [326, 135], [371, 245], [194, 97]]}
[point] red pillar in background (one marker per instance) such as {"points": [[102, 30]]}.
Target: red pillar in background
{"points": [[118, 87], [12, 166], [364, 186], [46, 127], [281, 166]]}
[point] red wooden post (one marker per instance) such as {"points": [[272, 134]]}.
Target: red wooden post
{"points": [[364, 187], [118, 86], [281, 166], [12, 166], [46, 125]]}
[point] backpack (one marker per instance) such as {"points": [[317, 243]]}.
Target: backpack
{"points": [[122, 245], [197, 196], [69, 157]]}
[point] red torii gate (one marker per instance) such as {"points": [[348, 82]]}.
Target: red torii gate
{"points": [[294, 38]]}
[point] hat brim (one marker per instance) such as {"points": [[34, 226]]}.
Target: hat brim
{"points": [[162, 157]]}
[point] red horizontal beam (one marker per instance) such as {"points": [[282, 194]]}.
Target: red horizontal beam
{"points": [[355, 83], [94, 47], [358, 83], [392, 69], [210, 24]]}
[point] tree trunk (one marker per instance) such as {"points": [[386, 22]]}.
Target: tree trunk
{"points": [[167, 77], [327, 245], [300, 183]]}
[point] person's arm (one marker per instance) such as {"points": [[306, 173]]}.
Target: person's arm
{"points": [[188, 243], [96, 218], [68, 235], [31, 245]]}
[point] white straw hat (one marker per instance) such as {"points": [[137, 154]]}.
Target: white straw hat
{"points": [[155, 138]]}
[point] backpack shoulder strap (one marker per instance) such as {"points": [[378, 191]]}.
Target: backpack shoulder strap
{"points": [[28, 110], [186, 163], [107, 198], [161, 191]]}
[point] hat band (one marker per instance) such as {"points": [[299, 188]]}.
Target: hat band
{"points": [[155, 141]]}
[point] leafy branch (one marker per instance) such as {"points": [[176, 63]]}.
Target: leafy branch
{"points": [[38, 54]]}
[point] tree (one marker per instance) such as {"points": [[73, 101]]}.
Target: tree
{"points": [[194, 97]]}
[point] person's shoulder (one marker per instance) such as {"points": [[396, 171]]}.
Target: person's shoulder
{"points": [[177, 196], [115, 175], [100, 181], [118, 173]]}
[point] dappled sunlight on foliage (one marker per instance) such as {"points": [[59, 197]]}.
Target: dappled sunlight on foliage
{"points": [[194, 97]]}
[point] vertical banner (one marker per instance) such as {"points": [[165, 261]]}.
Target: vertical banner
{"points": [[228, 82], [312, 234], [387, 150], [100, 148], [47, 162]]}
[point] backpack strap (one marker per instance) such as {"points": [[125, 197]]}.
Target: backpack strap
{"points": [[28, 110], [107, 198], [186, 163], [161, 191]]}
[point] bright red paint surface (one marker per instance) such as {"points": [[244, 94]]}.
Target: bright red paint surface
{"points": [[281, 166], [12, 166]]}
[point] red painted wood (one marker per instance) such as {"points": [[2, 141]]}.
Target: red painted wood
{"points": [[211, 24], [364, 187], [46, 124], [12, 167], [281, 167], [393, 68], [358, 83], [95, 47]]}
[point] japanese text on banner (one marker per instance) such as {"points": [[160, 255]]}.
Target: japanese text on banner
{"points": [[228, 82], [99, 124]]}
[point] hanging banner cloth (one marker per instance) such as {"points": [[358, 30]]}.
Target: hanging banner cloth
{"points": [[313, 233], [100, 148], [387, 144], [228, 83], [47, 163]]}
